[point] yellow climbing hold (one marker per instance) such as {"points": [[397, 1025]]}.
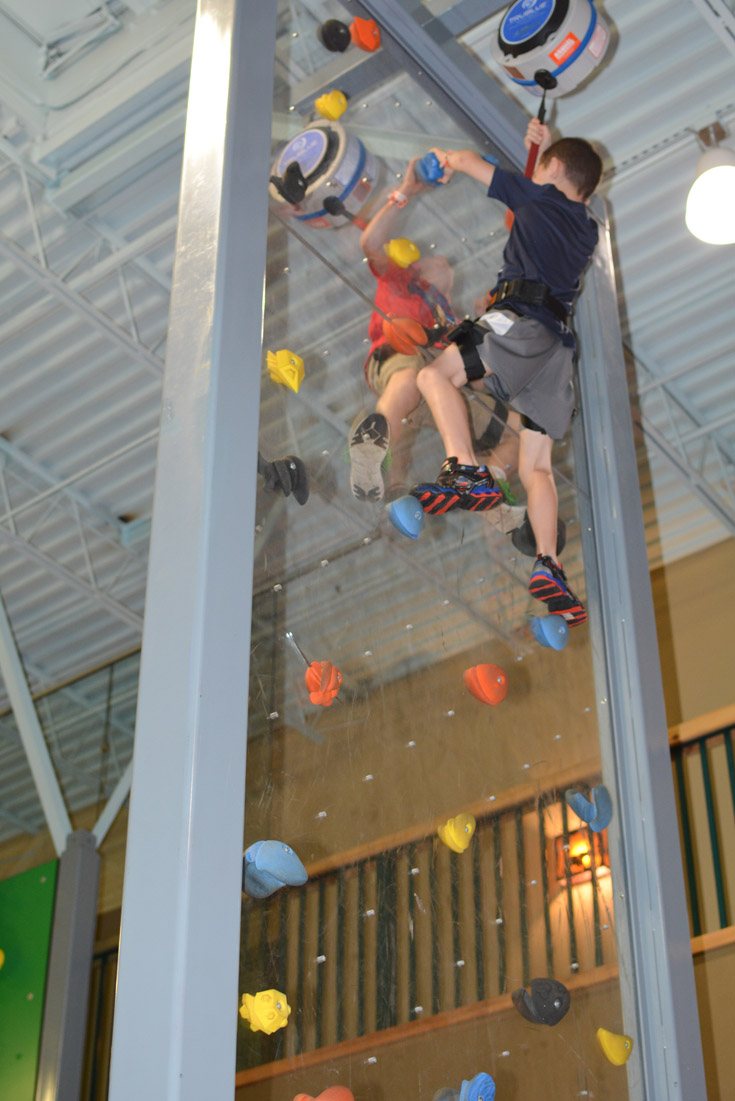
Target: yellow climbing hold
{"points": [[286, 367], [2, 957], [266, 1011], [332, 104], [402, 251], [616, 1046], [457, 832]]}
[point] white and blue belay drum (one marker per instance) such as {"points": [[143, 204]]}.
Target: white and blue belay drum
{"points": [[566, 38], [334, 164]]}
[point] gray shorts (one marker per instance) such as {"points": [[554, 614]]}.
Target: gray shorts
{"points": [[532, 370]]}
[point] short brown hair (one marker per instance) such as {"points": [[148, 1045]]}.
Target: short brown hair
{"points": [[582, 165]]}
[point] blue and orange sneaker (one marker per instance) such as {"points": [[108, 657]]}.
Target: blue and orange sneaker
{"points": [[471, 488], [548, 583]]}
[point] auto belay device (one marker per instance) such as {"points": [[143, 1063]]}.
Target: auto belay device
{"points": [[549, 47], [566, 39], [321, 164]]}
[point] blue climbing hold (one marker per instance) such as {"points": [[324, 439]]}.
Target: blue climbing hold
{"points": [[551, 631], [407, 515], [479, 1088], [429, 170], [596, 811], [268, 865]]}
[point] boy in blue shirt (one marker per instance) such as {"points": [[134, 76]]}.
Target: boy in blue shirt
{"points": [[521, 349]]}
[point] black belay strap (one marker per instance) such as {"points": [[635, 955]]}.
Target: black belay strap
{"points": [[531, 293], [467, 335]]}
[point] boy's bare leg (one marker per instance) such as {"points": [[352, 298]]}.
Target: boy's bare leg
{"points": [[534, 469], [399, 399], [548, 580], [440, 384]]}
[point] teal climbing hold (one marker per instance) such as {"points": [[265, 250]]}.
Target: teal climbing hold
{"points": [[596, 811], [407, 515], [551, 631]]}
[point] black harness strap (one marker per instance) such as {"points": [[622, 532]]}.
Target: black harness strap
{"points": [[532, 293], [467, 335]]}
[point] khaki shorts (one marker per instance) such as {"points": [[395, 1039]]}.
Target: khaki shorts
{"points": [[378, 373]]}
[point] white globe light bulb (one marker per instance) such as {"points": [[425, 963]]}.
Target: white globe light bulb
{"points": [[710, 209]]}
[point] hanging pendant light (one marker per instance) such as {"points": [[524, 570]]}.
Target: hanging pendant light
{"points": [[710, 208]]}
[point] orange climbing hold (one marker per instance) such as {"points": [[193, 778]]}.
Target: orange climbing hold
{"points": [[487, 683], [365, 33], [404, 334], [323, 680], [331, 1093]]}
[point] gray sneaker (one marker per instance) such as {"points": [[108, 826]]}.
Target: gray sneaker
{"points": [[369, 437]]}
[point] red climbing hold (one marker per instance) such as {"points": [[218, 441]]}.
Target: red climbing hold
{"points": [[487, 683], [323, 680]]}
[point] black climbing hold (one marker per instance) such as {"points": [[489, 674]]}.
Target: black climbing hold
{"points": [[525, 541], [287, 475], [292, 184], [335, 35], [546, 1004]]}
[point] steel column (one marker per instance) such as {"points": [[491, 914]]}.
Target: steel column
{"points": [[657, 977], [69, 969], [176, 1010]]}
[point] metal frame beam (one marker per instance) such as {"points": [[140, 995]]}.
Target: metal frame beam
{"points": [[32, 737], [175, 1015], [657, 981]]}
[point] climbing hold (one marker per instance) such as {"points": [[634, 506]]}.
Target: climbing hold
{"points": [[323, 680], [546, 1004], [596, 811], [479, 1088], [332, 1093], [616, 1046], [429, 170], [365, 33], [524, 540], [457, 832], [332, 104], [551, 631], [269, 865], [286, 367], [289, 475], [487, 683], [2, 957], [402, 251], [406, 514], [266, 1011], [404, 334], [335, 35]]}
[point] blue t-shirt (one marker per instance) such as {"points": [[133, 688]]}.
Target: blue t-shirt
{"points": [[551, 242]]}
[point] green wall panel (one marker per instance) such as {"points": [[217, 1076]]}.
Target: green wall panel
{"points": [[26, 917]]}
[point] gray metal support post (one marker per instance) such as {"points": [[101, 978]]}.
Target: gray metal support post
{"points": [[177, 995], [69, 970], [654, 949]]}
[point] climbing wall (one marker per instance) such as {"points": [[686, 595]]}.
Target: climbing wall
{"points": [[428, 891]]}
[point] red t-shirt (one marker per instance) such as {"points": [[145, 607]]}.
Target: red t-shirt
{"points": [[393, 297]]}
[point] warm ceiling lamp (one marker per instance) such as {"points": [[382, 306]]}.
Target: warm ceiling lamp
{"points": [[710, 209]]}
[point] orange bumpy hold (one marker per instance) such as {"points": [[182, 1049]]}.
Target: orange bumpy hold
{"points": [[487, 683], [322, 681], [404, 334]]}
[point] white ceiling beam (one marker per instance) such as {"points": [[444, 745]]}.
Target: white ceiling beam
{"points": [[720, 18], [31, 735], [52, 284]]}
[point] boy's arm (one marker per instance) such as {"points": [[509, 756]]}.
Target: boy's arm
{"points": [[466, 161], [379, 229]]}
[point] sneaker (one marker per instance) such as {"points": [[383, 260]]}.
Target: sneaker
{"points": [[471, 488], [548, 583], [368, 447]]}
